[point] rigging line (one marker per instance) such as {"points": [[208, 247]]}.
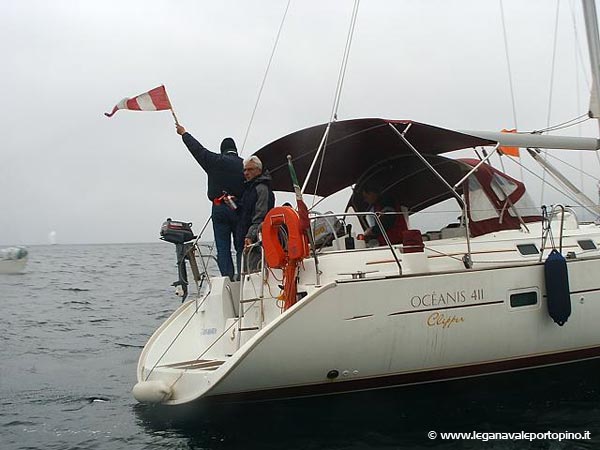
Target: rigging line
{"points": [[587, 81], [342, 74], [580, 121], [262, 85], [336, 141], [177, 336], [583, 172], [578, 46], [316, 204], [576, 67], [338, 92], [559, 126], [502, 162], [510, 81], [577, 99], [566, 194], [551, 88], [319, 172], [553, 63]]}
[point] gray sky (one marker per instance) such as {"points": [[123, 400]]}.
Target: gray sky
{"points": [[67, 168]]}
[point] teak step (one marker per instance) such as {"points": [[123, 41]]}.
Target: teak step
{"points": [[250, 300], [207, 364]]}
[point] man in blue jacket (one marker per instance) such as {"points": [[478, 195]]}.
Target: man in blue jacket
{"points": [[225, 177]]}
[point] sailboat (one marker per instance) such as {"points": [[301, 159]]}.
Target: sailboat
{"points": [[13, 260], [509, 286]]}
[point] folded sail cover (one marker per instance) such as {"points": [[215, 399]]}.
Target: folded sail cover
{"points": [[154, 100]]}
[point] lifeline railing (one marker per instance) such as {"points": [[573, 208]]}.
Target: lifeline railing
{"points": [[199, 277], [245, 274], [555, 211], [246, 271], [375, 216]]}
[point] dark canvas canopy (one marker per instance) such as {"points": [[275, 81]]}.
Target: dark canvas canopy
{"points": [[492, 197], [407, 180], [353, 148]]}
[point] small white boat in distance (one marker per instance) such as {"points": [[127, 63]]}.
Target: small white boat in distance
{"points": [[13, 259]]}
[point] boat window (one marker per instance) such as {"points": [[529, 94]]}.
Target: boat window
{"points": [[587, 244], [523, 299], [502, 187], [528, 249], [481, 207]]}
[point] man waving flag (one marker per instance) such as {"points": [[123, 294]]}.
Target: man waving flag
{"points": [[153, 100]]}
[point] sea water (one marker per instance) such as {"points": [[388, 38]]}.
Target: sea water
{"points": [[73, 325]]}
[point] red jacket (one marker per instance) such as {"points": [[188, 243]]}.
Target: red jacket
{"points": [[393, 225]]}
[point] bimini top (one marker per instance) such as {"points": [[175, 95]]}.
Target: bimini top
{"points": [[352, 148]]}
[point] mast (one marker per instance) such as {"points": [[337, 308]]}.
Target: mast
{"points": [[591, 28]]}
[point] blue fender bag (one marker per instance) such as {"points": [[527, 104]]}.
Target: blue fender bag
{"points": [[557, 287]]}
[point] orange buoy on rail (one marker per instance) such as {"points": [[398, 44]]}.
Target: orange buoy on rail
{"points": [[283, 237], [285, 244]]}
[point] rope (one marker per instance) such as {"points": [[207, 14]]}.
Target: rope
{"points": [[176, 337], [576, 68], [440, 253], [338, 90], [319, 172], [566, 194], [510, 82], [342, 74], [560, 126], [262, 85], [583, 172], [553, 63], [551, 88], [578, 46]]}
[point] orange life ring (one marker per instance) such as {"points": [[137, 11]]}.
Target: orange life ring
{"points": [[297, 246]]}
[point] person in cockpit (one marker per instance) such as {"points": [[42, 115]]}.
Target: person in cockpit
{"points": [[390, 216]]}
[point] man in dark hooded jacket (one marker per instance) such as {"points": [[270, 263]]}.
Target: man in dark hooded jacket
{"points": [[256, 201], [225, 176]]}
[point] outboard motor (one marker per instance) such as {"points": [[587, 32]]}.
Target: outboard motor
{"points": [[179, 233]]}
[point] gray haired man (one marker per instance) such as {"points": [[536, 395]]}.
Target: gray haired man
{"points": [[257, 199]]}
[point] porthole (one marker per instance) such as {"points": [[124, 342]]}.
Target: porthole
{"points": [[523, 299], [587, 244], [528, 249]]}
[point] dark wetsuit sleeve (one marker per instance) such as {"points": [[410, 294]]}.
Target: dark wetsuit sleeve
{"points": [[205, 158]]}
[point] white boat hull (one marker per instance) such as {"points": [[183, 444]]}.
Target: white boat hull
{"points": [[378, 332], [11, 266], [383, 341]]}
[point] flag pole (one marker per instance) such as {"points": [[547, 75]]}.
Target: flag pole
{"points": [[174, 116], [170, 106], [297, 191], [303, 213]]}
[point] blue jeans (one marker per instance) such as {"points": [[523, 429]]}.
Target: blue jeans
{"points": [[224, 221]]}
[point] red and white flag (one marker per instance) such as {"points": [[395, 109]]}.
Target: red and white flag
{"points": [[154, 100]]}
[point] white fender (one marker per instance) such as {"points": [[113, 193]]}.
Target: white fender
{"points": [[155, 391]]}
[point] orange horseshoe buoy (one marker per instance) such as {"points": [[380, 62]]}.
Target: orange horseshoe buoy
{"points": [[297, 246], [287, 258]]}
